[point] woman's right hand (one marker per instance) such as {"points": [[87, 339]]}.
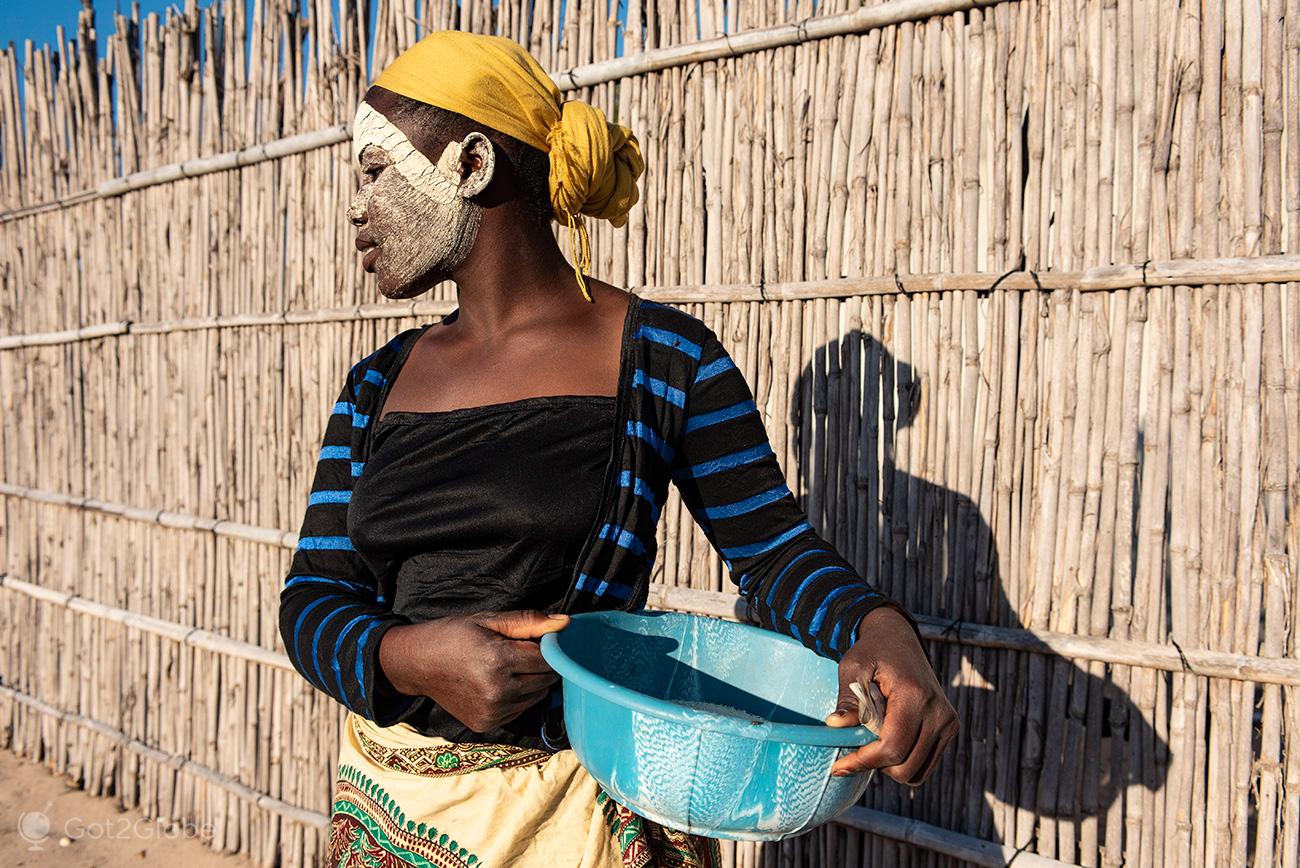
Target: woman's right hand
{"points": [[484, 669]]}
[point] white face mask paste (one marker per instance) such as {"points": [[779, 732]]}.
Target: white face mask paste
{"points": [[418, 213], [438, 182]]}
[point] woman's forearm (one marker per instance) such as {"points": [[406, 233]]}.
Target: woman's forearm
{"points": [[397, 651]]}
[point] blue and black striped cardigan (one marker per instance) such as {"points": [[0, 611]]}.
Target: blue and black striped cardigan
{"points": [[683, 412]]}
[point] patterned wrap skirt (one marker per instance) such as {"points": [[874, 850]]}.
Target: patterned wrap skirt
{"points": [[402, 798]]}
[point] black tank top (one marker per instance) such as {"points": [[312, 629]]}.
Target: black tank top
{"points": [[481, 508]]}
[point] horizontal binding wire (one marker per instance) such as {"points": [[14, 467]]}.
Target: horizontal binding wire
{"points": [[1225, 271]]}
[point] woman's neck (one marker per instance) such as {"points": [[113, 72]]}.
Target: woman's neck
{"points": [[515, 269]]}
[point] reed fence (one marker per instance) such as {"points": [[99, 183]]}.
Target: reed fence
{"points": [[1015, 285]]}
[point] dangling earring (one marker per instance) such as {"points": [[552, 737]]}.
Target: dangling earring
{"points": [[582, 255]]}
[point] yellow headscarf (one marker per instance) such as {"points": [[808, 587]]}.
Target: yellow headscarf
{"points": [[493, 80]]}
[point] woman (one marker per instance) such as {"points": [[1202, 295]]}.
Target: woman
{"points": [[481, 477]]}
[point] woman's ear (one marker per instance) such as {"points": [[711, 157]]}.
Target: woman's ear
{"points": [[478, 162]]}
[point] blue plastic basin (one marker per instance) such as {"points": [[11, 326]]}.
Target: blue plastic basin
{"points": [[760, 773]]}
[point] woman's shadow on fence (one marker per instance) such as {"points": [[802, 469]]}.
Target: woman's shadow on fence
{"points": [[1041, 736]]}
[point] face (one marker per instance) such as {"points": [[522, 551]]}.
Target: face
{"points": [[416, 223]]}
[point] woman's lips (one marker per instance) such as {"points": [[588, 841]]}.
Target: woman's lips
{"points": [[368, 261]]}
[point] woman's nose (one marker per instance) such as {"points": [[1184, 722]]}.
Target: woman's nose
{"points": [[357, 210]]}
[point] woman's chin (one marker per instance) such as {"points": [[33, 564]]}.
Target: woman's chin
{"points": [[400, 292], [402, 289]]}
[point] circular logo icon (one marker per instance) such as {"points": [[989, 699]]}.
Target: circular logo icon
{"points": [[34, 827]]}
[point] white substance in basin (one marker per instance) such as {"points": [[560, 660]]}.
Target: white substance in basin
{"points": [[716, 708]]}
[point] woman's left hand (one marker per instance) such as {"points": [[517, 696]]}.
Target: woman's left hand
{"points": [[919, 721]]}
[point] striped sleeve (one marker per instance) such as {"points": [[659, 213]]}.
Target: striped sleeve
{"points": [[793, 581], [331, 618]]}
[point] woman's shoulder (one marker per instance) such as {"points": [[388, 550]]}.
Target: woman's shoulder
{"points": [[673, 327], [377, 363]]}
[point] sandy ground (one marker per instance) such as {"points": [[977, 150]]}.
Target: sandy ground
{"points": [[44, 821]]}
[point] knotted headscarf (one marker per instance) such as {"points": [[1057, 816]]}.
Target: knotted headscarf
{"points": [[495, 81]]}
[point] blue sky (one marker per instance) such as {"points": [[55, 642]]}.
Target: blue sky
{"points": [[36, 19]]}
